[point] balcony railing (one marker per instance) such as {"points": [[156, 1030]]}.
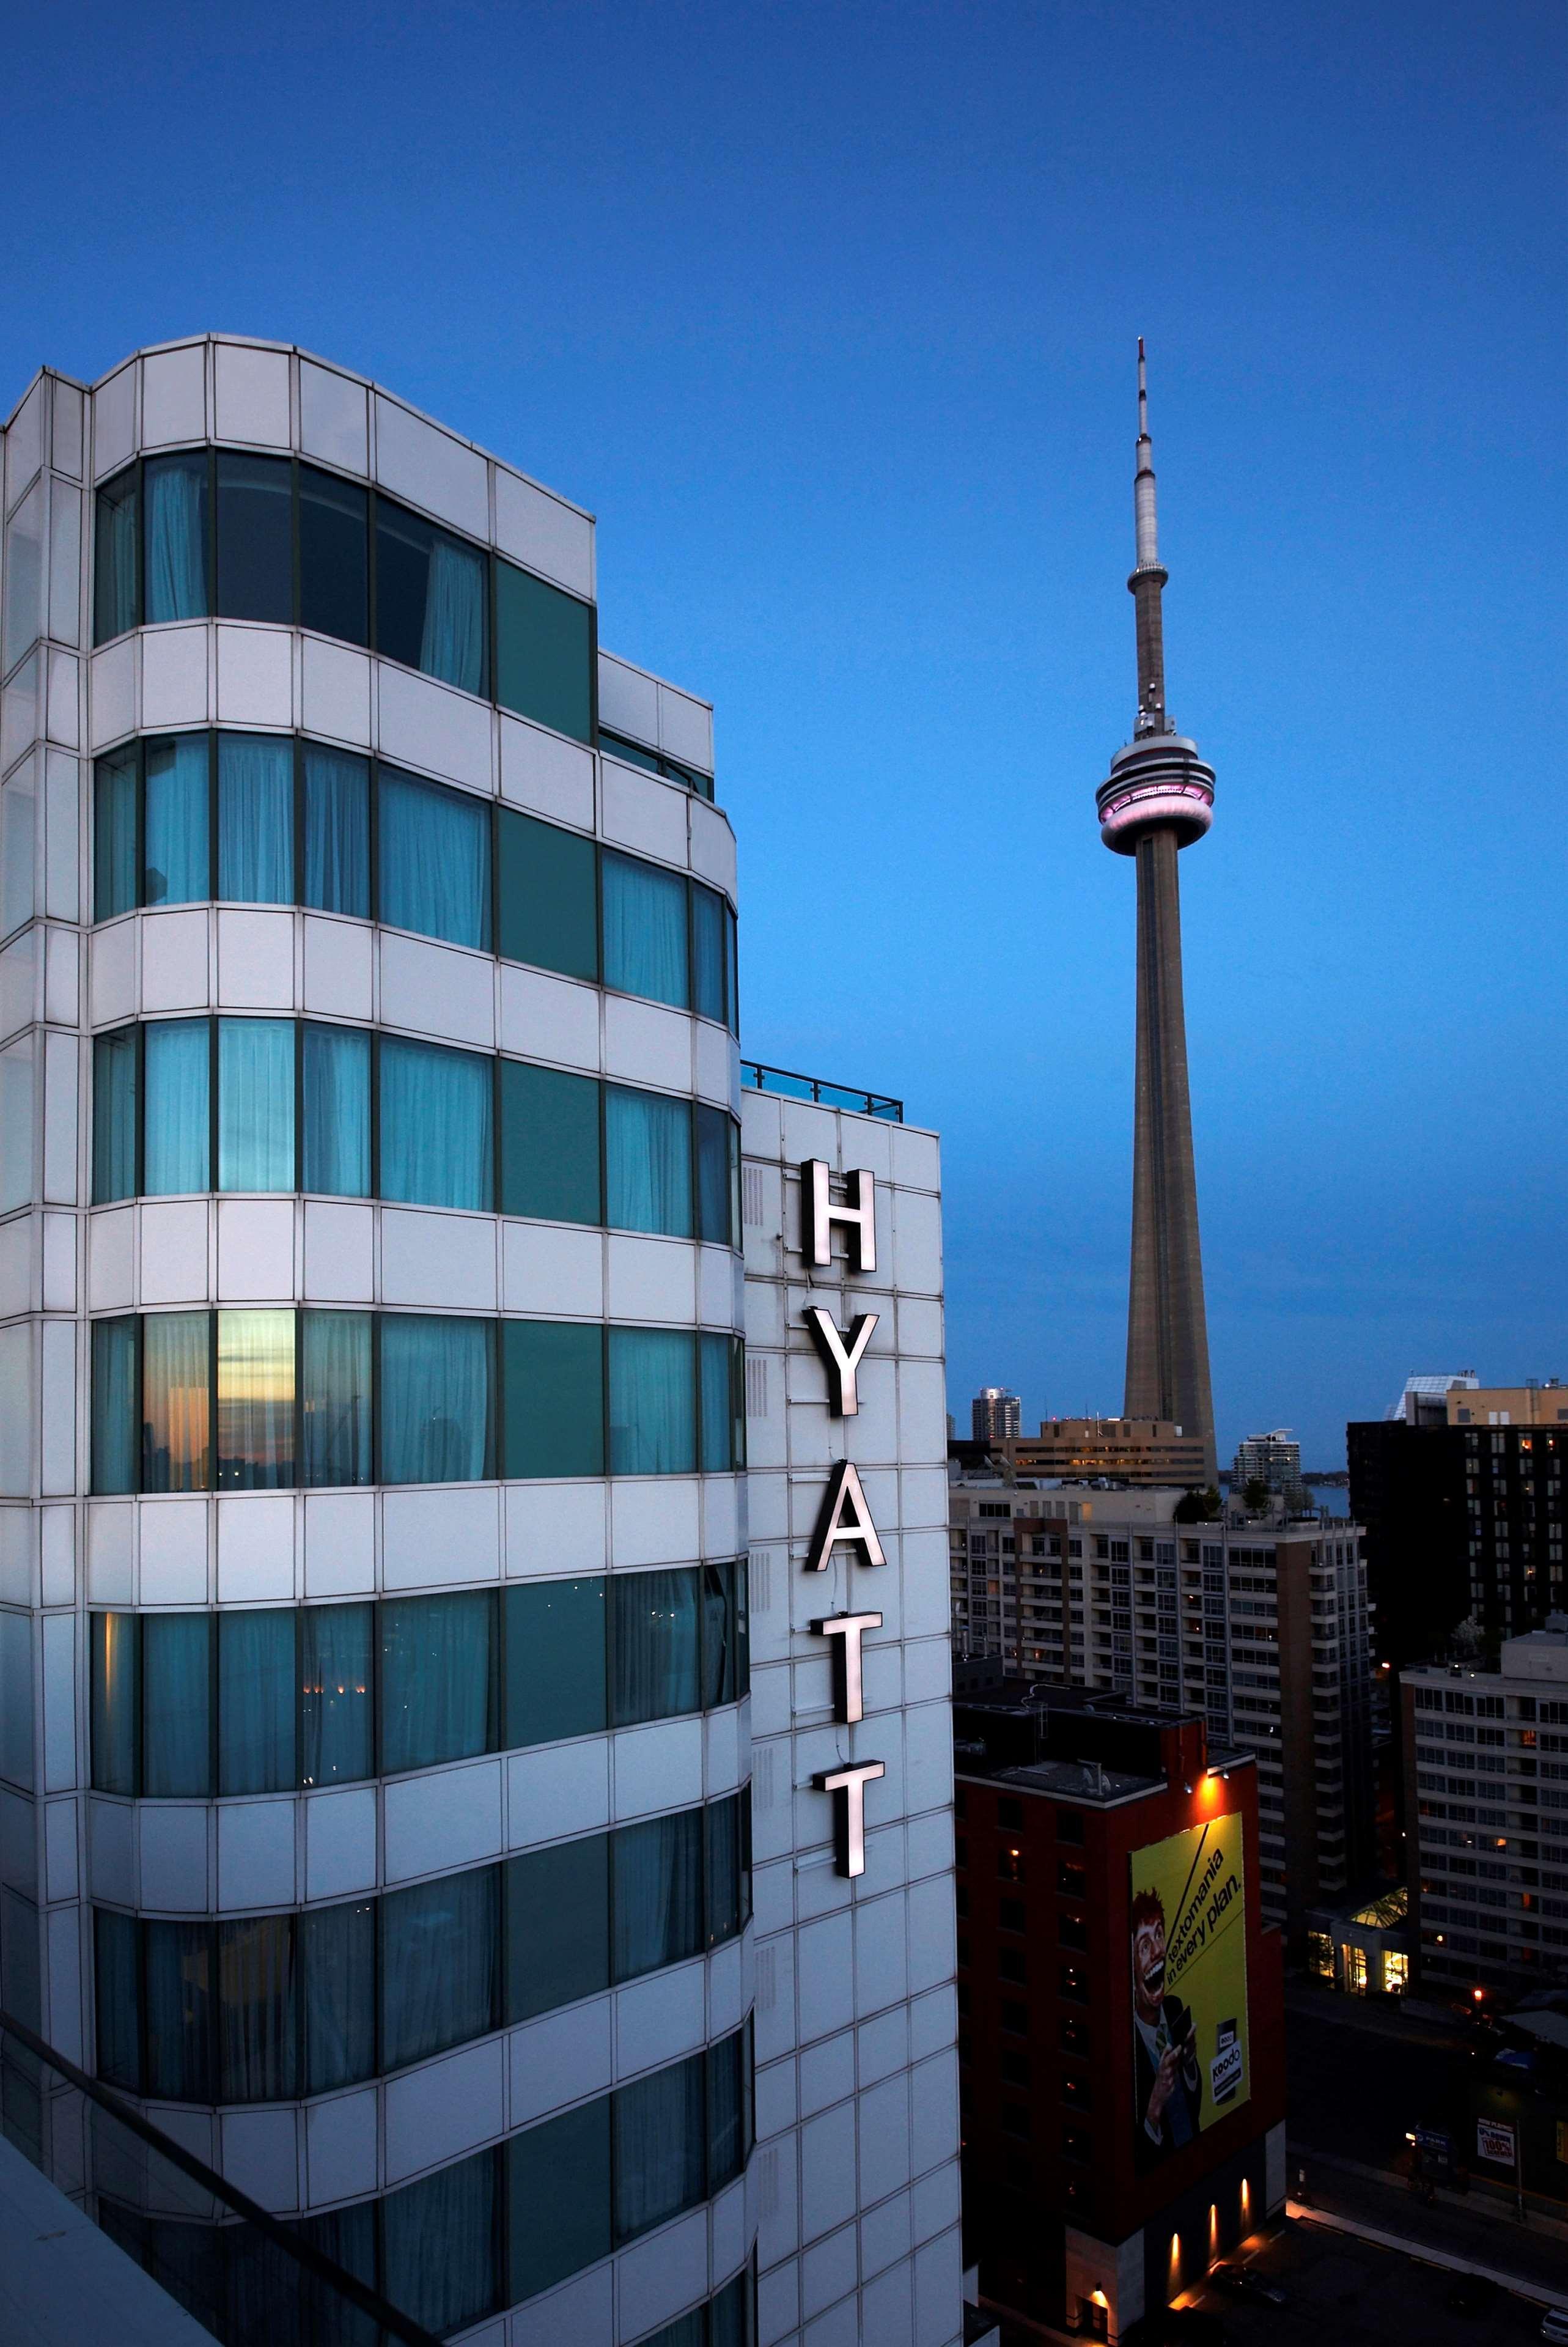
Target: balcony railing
{"points": [[784, 1081]]}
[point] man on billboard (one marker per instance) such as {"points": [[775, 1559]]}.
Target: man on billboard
{"points": [[1168, 2083]]}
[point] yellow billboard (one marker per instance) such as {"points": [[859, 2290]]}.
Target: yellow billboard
{"points": [[1187, 1929]]}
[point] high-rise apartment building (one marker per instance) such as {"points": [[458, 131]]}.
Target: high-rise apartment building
{"points": [[994, 1414], [1127, 1450], [1271, 1462], [376, 1626]]}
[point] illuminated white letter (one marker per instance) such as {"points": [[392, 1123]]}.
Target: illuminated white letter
{"points": [[818, 1215], [842, 1360], [844, 1517], [848, 1786], [849, 1686]]}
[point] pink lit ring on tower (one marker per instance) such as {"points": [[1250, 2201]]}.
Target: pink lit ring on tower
{"points": [[1159, 783]]}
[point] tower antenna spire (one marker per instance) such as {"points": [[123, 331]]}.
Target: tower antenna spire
{"points": [[1149, 576]]}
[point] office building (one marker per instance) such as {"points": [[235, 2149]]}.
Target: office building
{"points": [[994, 1414], [1270, 1463], [1090, 1833], [379, 1803], [1486, 1751], [1125, 1449]]}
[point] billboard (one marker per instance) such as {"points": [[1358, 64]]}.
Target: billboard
{"points": [[1187, 1929]]}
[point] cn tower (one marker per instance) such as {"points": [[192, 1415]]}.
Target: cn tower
{"points": [[1159, 798]]}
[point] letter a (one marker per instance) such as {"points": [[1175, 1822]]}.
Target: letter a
{"points": [[844, 1517]]}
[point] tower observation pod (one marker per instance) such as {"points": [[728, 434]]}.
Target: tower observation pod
{"points": [[1159, 798]]}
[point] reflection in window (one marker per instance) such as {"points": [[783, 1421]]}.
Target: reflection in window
{"points": [[177, 1123], [644, 930], [648, 1161], [117, 567], [335, 1668], [255, 1401], [434, 857], [435, 1679], [176, 869], [255, 1105], [429, 599], [336, 1102], [337, 831], [334, 1396], [255, 538], [174, 1403], [256, 818], [652, 1402], [656, 1646], [436, 1378], [334, 557], [176, 537], [115, 1700], [436, 1146], [114, 1436]]}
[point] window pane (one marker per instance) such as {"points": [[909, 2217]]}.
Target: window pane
{"points": [[439, 1972], [255, 1401], [114, 1406], [436, 1136], [256, 1701], [429, 599], [647, 1162], [686, 2330], [334, 557], [114, 1702], [176, 490], [116, 569], [557, 1926], [175, 866], [709, 958], [616, 745], [178, 1128], [714, 1140], [335, 1667], [334, 1419], [439, 2241], [719, 1660], [114, 834], [726, 2110], [337, 1956], [255, 819], [645, 930], [435, 859], [550, 1144], [555, 1661], [336, 1087], [119, 2000], [659, 2163], [558, 2198], [657, 1674], [337, 831], [553, 1387], [652, 1406], [176, 1675], [730, 2314], [435, 1379], [714, 1354], [19, 847], [548, 898], [255, 1103], [544, 652], [730, 931], [256, 2052], [658, 1875], [174, 1403], [114, 1115], [255, 538], [435, 1679], [178, 2011], [721, 1831]]}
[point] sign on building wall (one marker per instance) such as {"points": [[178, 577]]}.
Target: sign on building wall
{"points": [[1188, 1949]]}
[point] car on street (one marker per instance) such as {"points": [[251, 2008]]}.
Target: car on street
{"points": [[1554, 2326], [1243, 2281]]}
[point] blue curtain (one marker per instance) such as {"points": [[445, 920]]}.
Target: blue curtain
{"points": [[441, 1945], [336, 1084], [176, 869], [256, 2034], [337, 1962], [255, 1103], [658, 1902], [119, 1999], [337, 830], [176, 1684], [720, 1677], [114, 1441], [435, 1399], [656, 1646], [116, 556], [176, 1120], [335, 1674], [440, 2245], [176, 538], [435, 858], [438, 1145], [114, 1115], [721, 1870], [452, 646], [114, 834], [652, 1406], [659, 2162], [715, 1354], [708, 954], [645, 930], [178, 1989], [686, 2330], [726, 2110], [256, 1702], [647, 1160], [255, 819], [335, 1424], [715, 1150], [730, 2314], [435, 1668]]}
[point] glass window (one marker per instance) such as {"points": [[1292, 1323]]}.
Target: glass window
{"points": [[439, 2245], [116, 572], [176, 1717], [727, 2124], [178, 1959], [256, 2037], [553, 1394], [255, 538], [718, 1156], [658, 1906], [337, 1963], [735, 995], [334, 569], [558, 2216], [557, 1926], [721, 1671], [336, 1417], [730, 2314], [550, 1144], [709, 956], [336, 1659], [114, 834], [256, 818], [437, 1146], [435, 859], [255, 1401], [717, 1356], [544, 652], [652, 1404], [435, 1381], [645, 930], [256, 1702], [177, 1119], [337, 831], [115, 1071], [18, 844], [656, 1645], [336, 1160], [255, 1103], [547, 895], [113, 1429], [726, 1910], [116, 1702], [659, 2146], [175, 1373], [616, 745], [437, 1678], [440, 1942], [119, 2000], [175, 549], [429, 599], [176, 869], [648, 1161], [555, 1661]]}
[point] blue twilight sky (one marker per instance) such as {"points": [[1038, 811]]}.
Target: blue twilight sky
{"points": [[828, 313]]}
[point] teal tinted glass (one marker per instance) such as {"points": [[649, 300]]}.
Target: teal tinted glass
{"points": [[116, 579], [555, 1678], [114, 834], [710, 954], [115, 1069], [115, 1701], [176, 1144], [547, 896], [553, 1398], [557, 1926], [544, 652], [550, 1144], [558, 2213], [113, 1437]]}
